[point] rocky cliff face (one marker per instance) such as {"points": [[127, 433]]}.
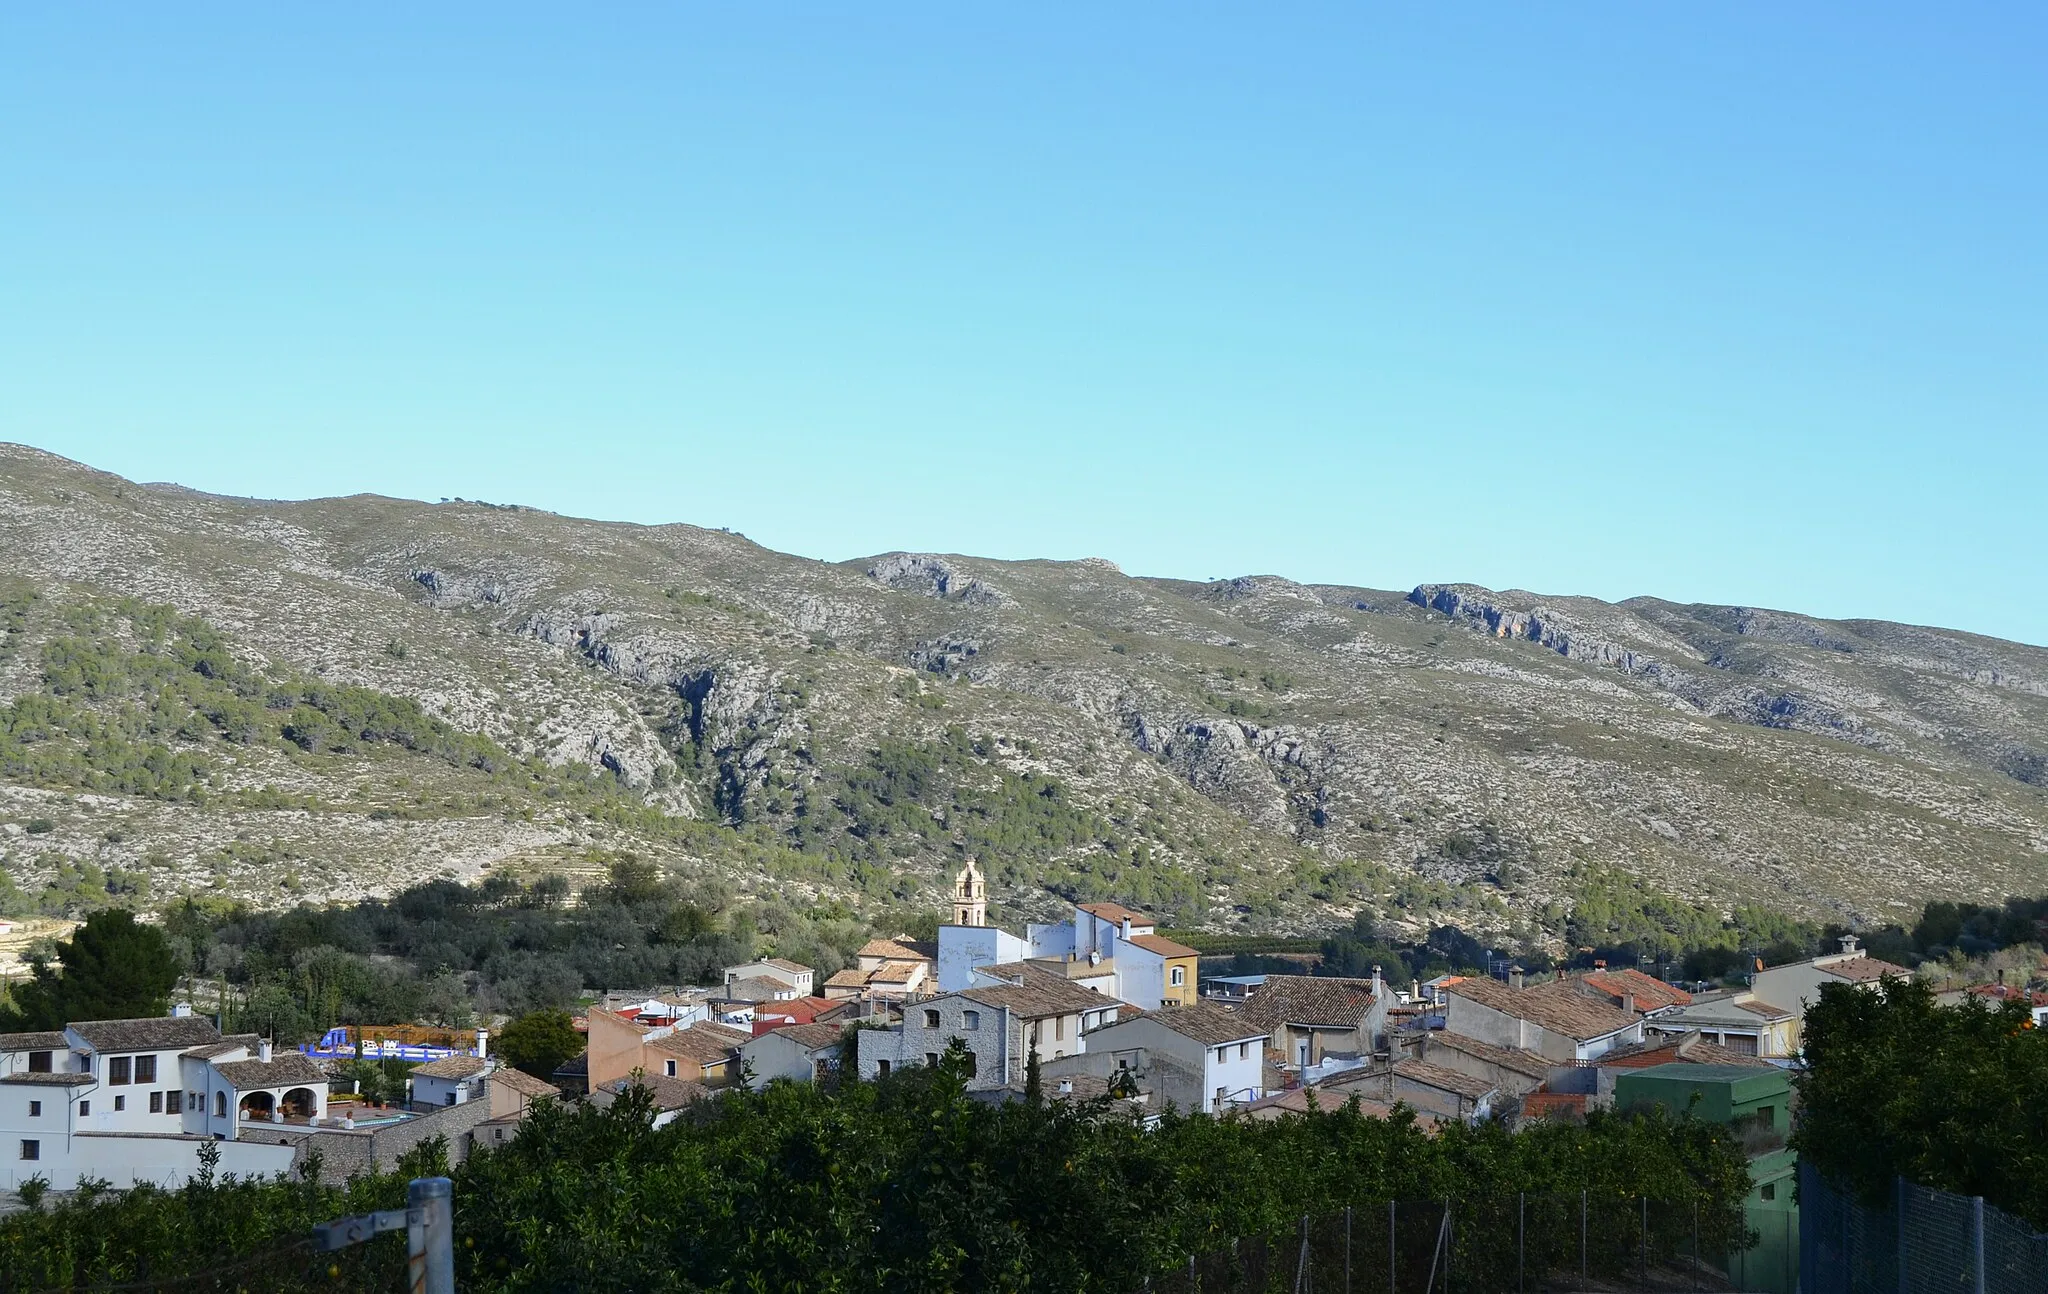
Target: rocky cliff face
{"points": [[1270, 753]]}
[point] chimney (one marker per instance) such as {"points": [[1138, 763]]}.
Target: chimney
{"points": [[1379, 986], [1414, 990], [1848, 943], [1066, 1087], [483, 1042], [1599, 963], [1127, 927], [1514, 977], [1628, 1004], [263, 1050], [181, 1011]]}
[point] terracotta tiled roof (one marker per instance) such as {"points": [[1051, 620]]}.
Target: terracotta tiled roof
{"points": [[233, 1042], [669, 1093], [70, 1079], [755, 988], [1162, 945], [451, 1067], [1860, 969], [1514, 1059], [1649, 992], [1204, 1022], [783, 963], [897, 972], [518, 1080], [1559, 1006], [847, 979], [289, 1069], [1444, 1080], [705, 1043], [49, 1041], [1114, 913], [1308, 1000], [890, 950], [1688, 1048], [809, 1036], [1041, 994], [151, 1033], [1552, 1105], [1756, 1006]]}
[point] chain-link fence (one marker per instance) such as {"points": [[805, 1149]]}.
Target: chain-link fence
{"points": [[1925, 1242], [1515, 1245]]}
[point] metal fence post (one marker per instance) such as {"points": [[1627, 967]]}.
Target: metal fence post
{"points": [[1977, 1242], [1521, 1237], [1347, 1249], [1643, 1246], [1393, 1278], [1582, 1235], [1899, 1226], [430, 1257]]}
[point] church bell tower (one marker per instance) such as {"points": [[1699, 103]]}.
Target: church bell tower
{"points": [[970, 897]]}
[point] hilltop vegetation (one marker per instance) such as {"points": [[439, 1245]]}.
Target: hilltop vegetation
{"points": [[269, 702]]}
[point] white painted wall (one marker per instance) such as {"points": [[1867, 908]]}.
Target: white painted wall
{"points": [[961, 948], [1140, 976]]}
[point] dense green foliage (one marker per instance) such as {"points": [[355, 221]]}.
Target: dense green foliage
{"points": [[1956, 1098], [910, 1185], [539, 1041], [112, 968], [497, 945]]}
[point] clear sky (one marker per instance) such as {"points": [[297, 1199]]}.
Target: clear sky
{"points": [[1735, 303]]}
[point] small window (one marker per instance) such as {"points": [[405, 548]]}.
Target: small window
{"points": [[1222, 1054], [1770, 1191], [31, 1150], [220, 1105], [156, 1102], [118, 1069], [145, 1069], [669, 1067], [1244, 1050], [970, 1064], [881, 1068], [931, 1019], [35, 1109], [1059, 1026], [174, 1102], [39, 1062], [449, 1099], [84, 1108], [1180, 976], [931, 1060], [120, 1103], [970, 1019]]}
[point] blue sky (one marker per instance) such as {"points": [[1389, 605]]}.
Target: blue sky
{"points": [[1741, 305]]}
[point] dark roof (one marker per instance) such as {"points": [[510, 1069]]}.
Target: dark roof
{"points": [[783, 963], [47, 1041], [1308, 1000], [151, 1033], [73, 1079], [1559, 1006], [287, 1069], [1689, 1048], [1862, 968], [755, 988], [450, 1067], [577, 1065]]}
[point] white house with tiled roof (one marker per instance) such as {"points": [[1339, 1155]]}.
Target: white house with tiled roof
{"points": [[1203, 1058], [132, 1100]]}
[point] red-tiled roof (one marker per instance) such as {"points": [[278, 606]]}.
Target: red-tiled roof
{"points": [[1559, 1006], [1115, 912], [1162, 945], [1859, 969], [1309, 1000], [1551, 1105], [1649, 992]]}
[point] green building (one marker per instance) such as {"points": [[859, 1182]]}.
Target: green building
{"points": [[1755, 1103]]}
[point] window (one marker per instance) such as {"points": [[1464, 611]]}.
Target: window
{"points": [[145, 1069], [450, 1099], [1059, 1027], [220, 1105], [120, 1103], [971, 1019], [117, 1070], [156, 1102], [970, 1064], [84, 1108], [35, 1109], [1770, 1191], [1244, 1050], [931, 1019], [1180, 976], [1222, 1054], [1767, 1116], [39, 1062], [881, 1068], [31, 1150], [669, 1066], [931, 1060], [174, 1102]]}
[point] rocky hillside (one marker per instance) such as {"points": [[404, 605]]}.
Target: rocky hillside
{"points": [[366, 691]]}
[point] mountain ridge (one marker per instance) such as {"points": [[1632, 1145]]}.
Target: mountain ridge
{"points": [[1256, 752]]}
